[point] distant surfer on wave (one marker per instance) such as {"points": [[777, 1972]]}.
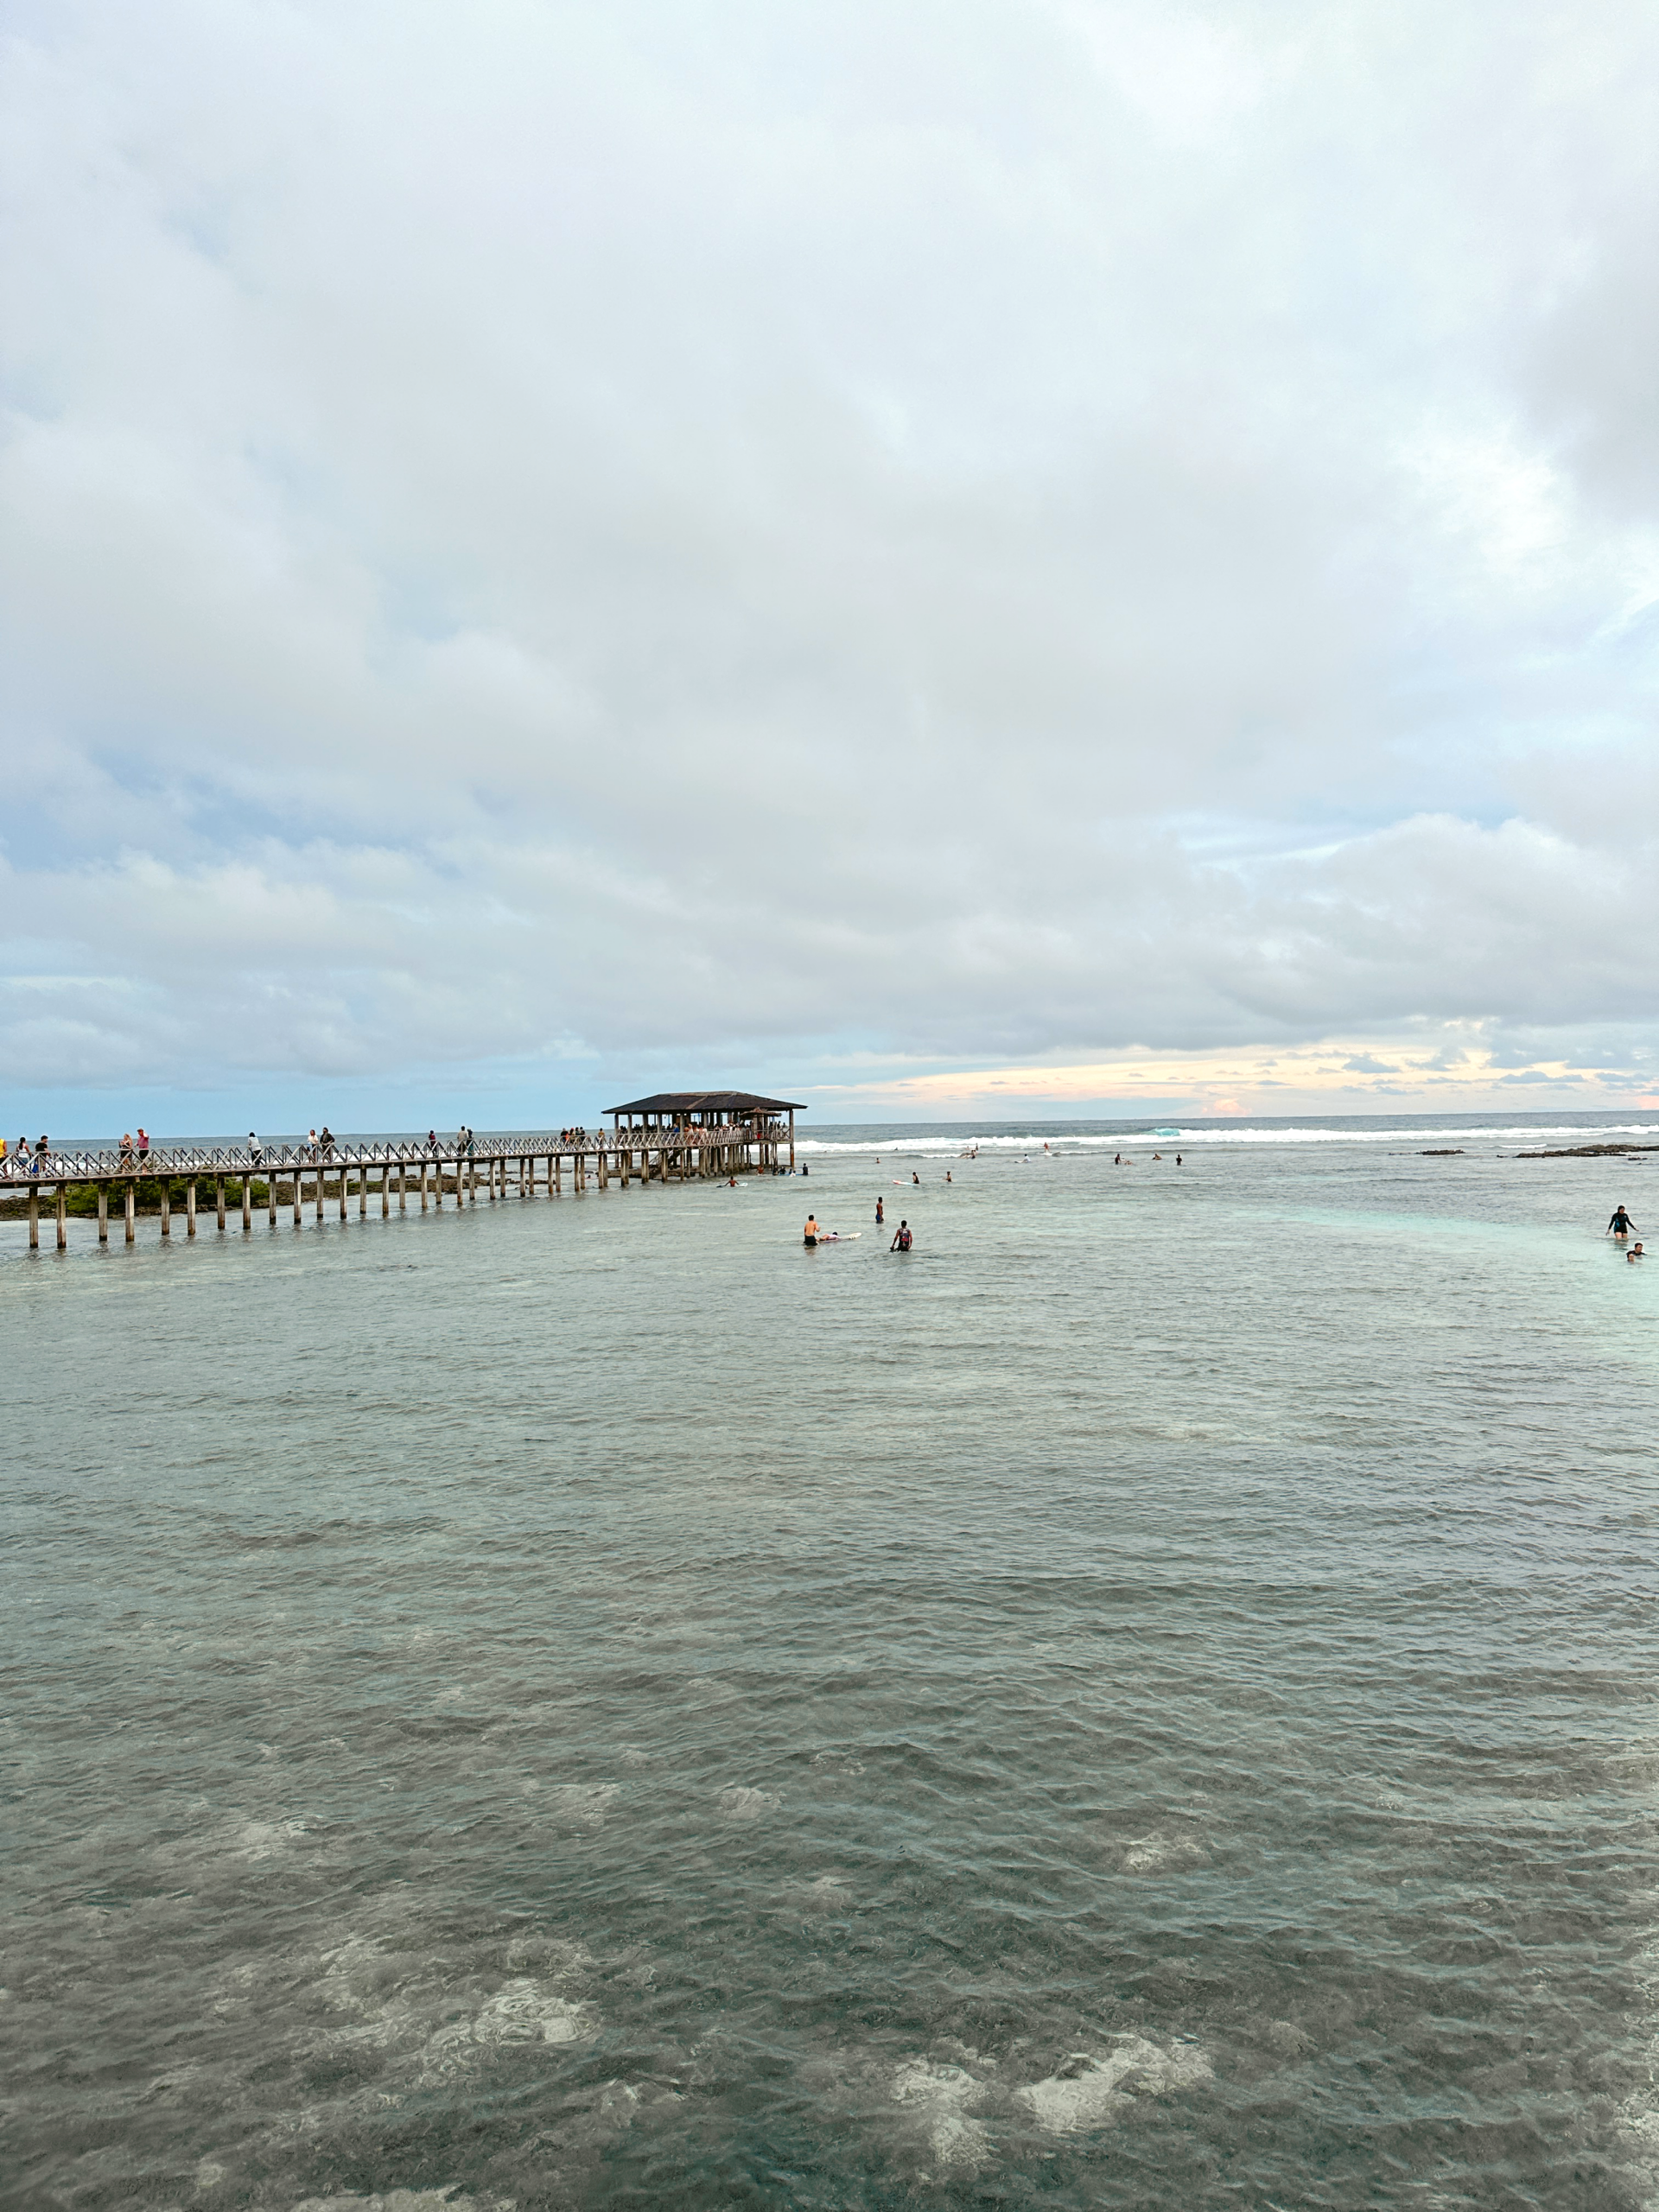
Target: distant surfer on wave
{"points": [[1620, 1225]]}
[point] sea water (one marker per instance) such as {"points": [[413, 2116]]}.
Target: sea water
{"points": [[1147, 1701]]}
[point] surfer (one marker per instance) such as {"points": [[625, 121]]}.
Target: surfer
{"points": [[901, 1239], [915, 1178], [809, 1234], [1620, 1225]]}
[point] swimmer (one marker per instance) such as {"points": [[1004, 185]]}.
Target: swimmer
{"points": [[809, 1234], [1177, 1160], [1157, 1156], [947, 1174], [1620, 1225], [901, 1240], [914, 1177], [1635, 1252], [1117, 1159]]}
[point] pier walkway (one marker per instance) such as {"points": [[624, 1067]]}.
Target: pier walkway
{"points": [[297, 1175]]}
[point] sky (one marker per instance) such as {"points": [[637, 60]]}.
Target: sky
{"points": [[920, 558]]}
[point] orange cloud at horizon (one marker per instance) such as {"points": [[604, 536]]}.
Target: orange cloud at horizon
{"points": [[1333, 1075]]}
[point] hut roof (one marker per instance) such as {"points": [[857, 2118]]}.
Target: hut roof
{"points": [[706, 1101]]}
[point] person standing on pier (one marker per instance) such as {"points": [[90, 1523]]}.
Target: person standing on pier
{"points": [[255, 1150], [143, 1145]]}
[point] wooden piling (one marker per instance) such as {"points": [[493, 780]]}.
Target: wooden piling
{"points": [[320, 1184], [343, 1179], [63, 1216], [299, 1198], [247, 1203], [33, 1217], [385, 1192], [190, 1207], [103, 1213], [270, 1194], [132, 1230], [402, 1186], [167, 1207], [362, 1190], [219, 1193]]}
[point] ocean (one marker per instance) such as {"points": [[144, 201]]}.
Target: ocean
{"points": [[1147, 1700]]}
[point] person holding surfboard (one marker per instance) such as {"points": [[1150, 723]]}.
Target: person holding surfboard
{"points": [[1620, 1225]]}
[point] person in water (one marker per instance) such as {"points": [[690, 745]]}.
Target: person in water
{"points": [[880, 1216], [915, 1178], [1620, 1225], [902, 1240], [1635, 1252], [809, 1234]]}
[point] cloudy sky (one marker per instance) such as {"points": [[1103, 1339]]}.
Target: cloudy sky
{"points": [[1082, 555]]}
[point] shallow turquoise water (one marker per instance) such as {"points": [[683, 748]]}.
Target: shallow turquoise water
{"points": [[1148, 1701]]}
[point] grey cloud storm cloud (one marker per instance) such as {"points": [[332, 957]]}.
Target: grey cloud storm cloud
{"points": [[991, 532]]}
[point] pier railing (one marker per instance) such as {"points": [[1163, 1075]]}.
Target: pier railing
{"points": [[174, 1160]]}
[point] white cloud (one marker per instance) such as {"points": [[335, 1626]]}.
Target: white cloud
{"points": [[1014, 531]]}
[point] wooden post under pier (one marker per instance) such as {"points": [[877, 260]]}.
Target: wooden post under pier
{"points": [[190, 1207], [167, 1207], [270, 1194], [103, 1213], [33, 1217], [247, 1203], [131, 1227], [219, 1192], [63, 1216]]}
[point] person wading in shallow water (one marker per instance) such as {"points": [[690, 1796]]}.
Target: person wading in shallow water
{"points": [[809, 1234], [880, 1216], [1620, 1225], [902, 1239]]}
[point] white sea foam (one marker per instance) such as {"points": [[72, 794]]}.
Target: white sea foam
{"points": [[1223, 1134], [1105, 2086], [406, 2200], [741, 1804], [1151, 1854], [943, 2098], [584, 1803]]}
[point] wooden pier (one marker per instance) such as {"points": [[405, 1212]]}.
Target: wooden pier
{"points": [[749, 1137]]}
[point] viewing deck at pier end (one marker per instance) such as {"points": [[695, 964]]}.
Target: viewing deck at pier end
{"points": [[690, 1112]]}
